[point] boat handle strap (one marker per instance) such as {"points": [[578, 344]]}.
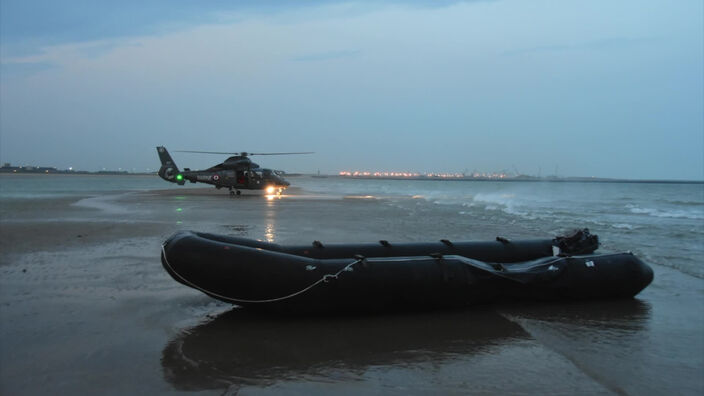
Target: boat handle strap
{"points": [[325, 279]]}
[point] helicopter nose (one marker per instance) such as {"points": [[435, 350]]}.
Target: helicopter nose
{"points": [[281, 182]]}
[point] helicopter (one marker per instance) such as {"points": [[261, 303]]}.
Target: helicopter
{"points": [[236, 173]]}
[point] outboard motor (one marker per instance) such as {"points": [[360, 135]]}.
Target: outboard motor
{"points": [[577, 242]]}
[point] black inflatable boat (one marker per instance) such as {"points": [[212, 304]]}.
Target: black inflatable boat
{"points": [[383, 276]]}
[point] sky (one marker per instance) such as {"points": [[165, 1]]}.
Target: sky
{"points": [[577, 88]]}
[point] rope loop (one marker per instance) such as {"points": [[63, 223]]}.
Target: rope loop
{"points": [[325, 279]]}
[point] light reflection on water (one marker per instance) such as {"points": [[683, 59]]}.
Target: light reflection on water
{"points": [[240, 348], [270, 215], [270, 232]]}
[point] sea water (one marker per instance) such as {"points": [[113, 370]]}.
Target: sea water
{"points": [[661, 222], [168, 336], [40, 186]]}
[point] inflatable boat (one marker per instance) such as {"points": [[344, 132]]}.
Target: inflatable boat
{"points": [[408, 276]]}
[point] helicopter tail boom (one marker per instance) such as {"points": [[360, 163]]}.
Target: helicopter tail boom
{"points": [[169, 171]]}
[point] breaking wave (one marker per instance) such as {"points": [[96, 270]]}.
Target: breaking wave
{"points": [[667, 213]]}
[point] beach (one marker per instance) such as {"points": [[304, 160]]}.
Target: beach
{"points": [[86, 307]]}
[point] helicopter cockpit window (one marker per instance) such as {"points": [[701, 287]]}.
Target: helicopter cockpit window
{"points": [[267, 172]]}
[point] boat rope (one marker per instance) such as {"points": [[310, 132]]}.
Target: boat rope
{"points": [[358, 259], [325, 279]]}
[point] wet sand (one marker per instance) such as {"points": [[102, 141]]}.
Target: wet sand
{"points": [[85, 308]]}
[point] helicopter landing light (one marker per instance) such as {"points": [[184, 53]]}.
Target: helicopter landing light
{"points": [[270, 190]]}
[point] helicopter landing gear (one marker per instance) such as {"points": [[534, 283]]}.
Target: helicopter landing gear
{"points": [[233, 192]]}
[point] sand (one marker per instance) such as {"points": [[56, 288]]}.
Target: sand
{"points": [[86, 308]]}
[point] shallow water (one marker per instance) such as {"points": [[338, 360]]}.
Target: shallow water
{"points": [[106, 316]]}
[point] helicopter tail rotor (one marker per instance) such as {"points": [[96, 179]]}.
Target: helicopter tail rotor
{"points": [[169, 171]]}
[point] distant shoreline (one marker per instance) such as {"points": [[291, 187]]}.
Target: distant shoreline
{"points": [[77, 173], [530, 180], [419, 178]]}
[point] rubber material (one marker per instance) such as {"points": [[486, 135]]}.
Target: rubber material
{"points": [[371, 277]]}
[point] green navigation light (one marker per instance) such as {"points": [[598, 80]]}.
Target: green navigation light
{"points": [[179, 177]]}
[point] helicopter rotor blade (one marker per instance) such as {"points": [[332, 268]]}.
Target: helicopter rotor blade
{"points": [[203, 152], [243, 153], [303, 152]]}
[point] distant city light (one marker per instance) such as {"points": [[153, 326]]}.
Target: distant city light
{"points": [[445, 175]]}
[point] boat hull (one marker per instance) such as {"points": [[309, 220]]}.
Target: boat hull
{"points": [[264, 276]]}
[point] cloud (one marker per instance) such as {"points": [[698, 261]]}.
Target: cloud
{"points": [[484, 76], [25, 68], [328, 55], [612, 43]]}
